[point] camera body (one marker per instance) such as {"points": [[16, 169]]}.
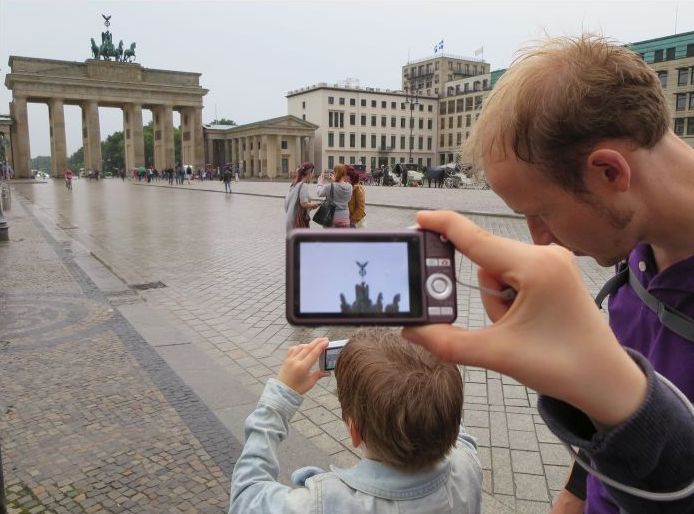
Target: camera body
{"points": [[367, 277], [328, 359]]}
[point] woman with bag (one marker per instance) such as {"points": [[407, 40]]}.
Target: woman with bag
{"points": [[339, 192], [357, 204], [297, 203]]}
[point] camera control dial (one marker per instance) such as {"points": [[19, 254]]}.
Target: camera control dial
{"points": [[439, 286]]}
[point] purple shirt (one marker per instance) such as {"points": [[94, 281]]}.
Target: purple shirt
{"points": [[637, 327]]}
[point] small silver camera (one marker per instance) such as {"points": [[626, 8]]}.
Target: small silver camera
{"points": [[328, 359]]}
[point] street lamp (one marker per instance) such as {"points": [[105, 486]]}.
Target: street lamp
{"points": [[412, 99]]}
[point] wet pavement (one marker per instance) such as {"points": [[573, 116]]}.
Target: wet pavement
{"points": [[218, 263]]}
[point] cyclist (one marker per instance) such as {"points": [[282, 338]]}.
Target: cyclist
{"points": [[68, 179]]}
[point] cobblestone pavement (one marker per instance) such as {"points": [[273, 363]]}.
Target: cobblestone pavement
{"points": [[221, 258], [91, 419]]}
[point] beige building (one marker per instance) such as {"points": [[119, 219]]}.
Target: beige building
{"points": [[672, 58], [269, 148], [5, 141], [370, 126], [429, 76]]}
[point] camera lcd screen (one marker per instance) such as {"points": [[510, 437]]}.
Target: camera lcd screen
{"points": [[331, 355], [360, 279]]}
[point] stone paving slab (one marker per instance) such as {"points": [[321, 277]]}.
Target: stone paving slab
{"points": [[221, 258]]}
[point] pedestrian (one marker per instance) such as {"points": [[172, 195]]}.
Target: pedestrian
{"points": [[339, 189], [189, 173], [357, 203], [236, 171], [226, 177], [586, 122], [297, 202]]}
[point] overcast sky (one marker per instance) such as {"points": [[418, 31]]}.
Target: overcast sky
{"points": [[250, 53]]}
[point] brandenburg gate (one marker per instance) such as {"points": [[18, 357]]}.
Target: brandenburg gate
{"points": [[94, 83]]}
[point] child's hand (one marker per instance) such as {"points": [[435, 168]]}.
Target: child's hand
{"points": [[296, 368]]}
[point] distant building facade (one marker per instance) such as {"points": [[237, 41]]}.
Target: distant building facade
{"points": [[430, 76]]}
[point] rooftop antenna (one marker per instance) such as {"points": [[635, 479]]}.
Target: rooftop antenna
{"points": [[677, 8]]}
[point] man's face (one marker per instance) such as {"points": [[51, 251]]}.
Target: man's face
{"points": [[586, 224]]}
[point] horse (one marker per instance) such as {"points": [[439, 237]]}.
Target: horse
{"points": [[129, 52], [95, 49], [437, 175], [119, 51]]}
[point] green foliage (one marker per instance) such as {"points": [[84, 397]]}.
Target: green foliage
{"points": [[76, 160], [223, 121], [42, 162]]}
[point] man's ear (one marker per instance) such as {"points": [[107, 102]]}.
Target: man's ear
{"points": [[608, 168], [354, 433]]}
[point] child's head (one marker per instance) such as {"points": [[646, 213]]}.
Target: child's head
{"points": [[404, 402]]}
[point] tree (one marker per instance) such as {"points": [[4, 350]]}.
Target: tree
{"points": [[223, 121]]}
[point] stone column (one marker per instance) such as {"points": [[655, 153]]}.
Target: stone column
{"points": [[258, 156], [248, 156], [198, 139], [91, 133], [209, 152], [272, 156], [20, 138], [164, 154], [187, 137], [134, 137], [297, 150], [56, 116]]}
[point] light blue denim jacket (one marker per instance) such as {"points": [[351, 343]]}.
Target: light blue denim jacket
{"points": [[454, 485]]}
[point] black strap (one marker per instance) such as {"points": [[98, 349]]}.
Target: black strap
{"points": [[671, 318]]}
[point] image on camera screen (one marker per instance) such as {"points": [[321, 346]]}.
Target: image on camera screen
{"points": [[331, 356], [354, 278]]}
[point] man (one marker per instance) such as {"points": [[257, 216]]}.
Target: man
{"points": [[576, 137]]}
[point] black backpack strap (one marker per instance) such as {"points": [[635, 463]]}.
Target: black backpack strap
{"points": [[677, 322], [621, 278]]}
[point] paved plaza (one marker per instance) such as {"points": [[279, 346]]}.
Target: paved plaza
{"points": [[140, 323]]}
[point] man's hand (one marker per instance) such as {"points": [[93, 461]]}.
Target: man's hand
{"points": [[567, 503], [551, 337], [296, 368]]}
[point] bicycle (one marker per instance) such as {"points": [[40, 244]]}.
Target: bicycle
{"points": [[68, 184]]}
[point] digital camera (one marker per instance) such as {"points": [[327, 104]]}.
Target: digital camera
{"points": [[366, 277], [328, 359]]}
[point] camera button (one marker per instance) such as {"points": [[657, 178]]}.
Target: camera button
{"points": [[434, 311], [439, 286], [446, 311], [445, 263], [432, 262]]}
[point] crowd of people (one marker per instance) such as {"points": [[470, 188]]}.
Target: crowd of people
{"points": [[341, 188], [576, 137]]}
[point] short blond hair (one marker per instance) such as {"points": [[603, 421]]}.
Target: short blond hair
{"points": [[560, 98], [405, 402]]}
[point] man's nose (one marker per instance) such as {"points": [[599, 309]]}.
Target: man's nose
{"points": [[539, 231]]}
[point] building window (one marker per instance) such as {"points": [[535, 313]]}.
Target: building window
{"points": [[303, 117], [450, 139], [342, 100], [428, 162], [459, 138], [411, 123], [352, 140], [331, 139], [285, 166], [341, 159], [393, 121], [331, 162], [421, 123], [373, 103], [363, 120], [373, 140], [690, 126], [679, 126], [420, 143], [681, 101], [429, 123], [362, 141], [284, 144], [429, 143], [402, 142], [468, 104], [658, 56], [691, 101], [662, 76], [460, 120], [450, 122], [421, 107], [352, 159], [402, 106], [392, 142], [459, 105], [383, 142], [384, 121], [411, 142], [303, 105], [363, 102], [331, 100], [373, 121], [690, 50], [430, 108], [443, 123], [442, 108], [393, 105], [442, 141], [682, 76], [341, 140], [383, 104], [353, 102], [402, 122], [352, 119], [670, 54]]}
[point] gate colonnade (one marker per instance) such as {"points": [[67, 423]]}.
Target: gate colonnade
{"points": [[92, 84]]}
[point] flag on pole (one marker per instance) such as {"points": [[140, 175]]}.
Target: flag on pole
{"points": [[479, 51], [438, 46]]}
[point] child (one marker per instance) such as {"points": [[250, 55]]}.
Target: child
{"points": [[402, 407]]}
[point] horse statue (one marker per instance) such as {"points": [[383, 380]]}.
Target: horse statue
{"points": [[119, 51], [95, 49], [129, 53], [107, 49]]}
